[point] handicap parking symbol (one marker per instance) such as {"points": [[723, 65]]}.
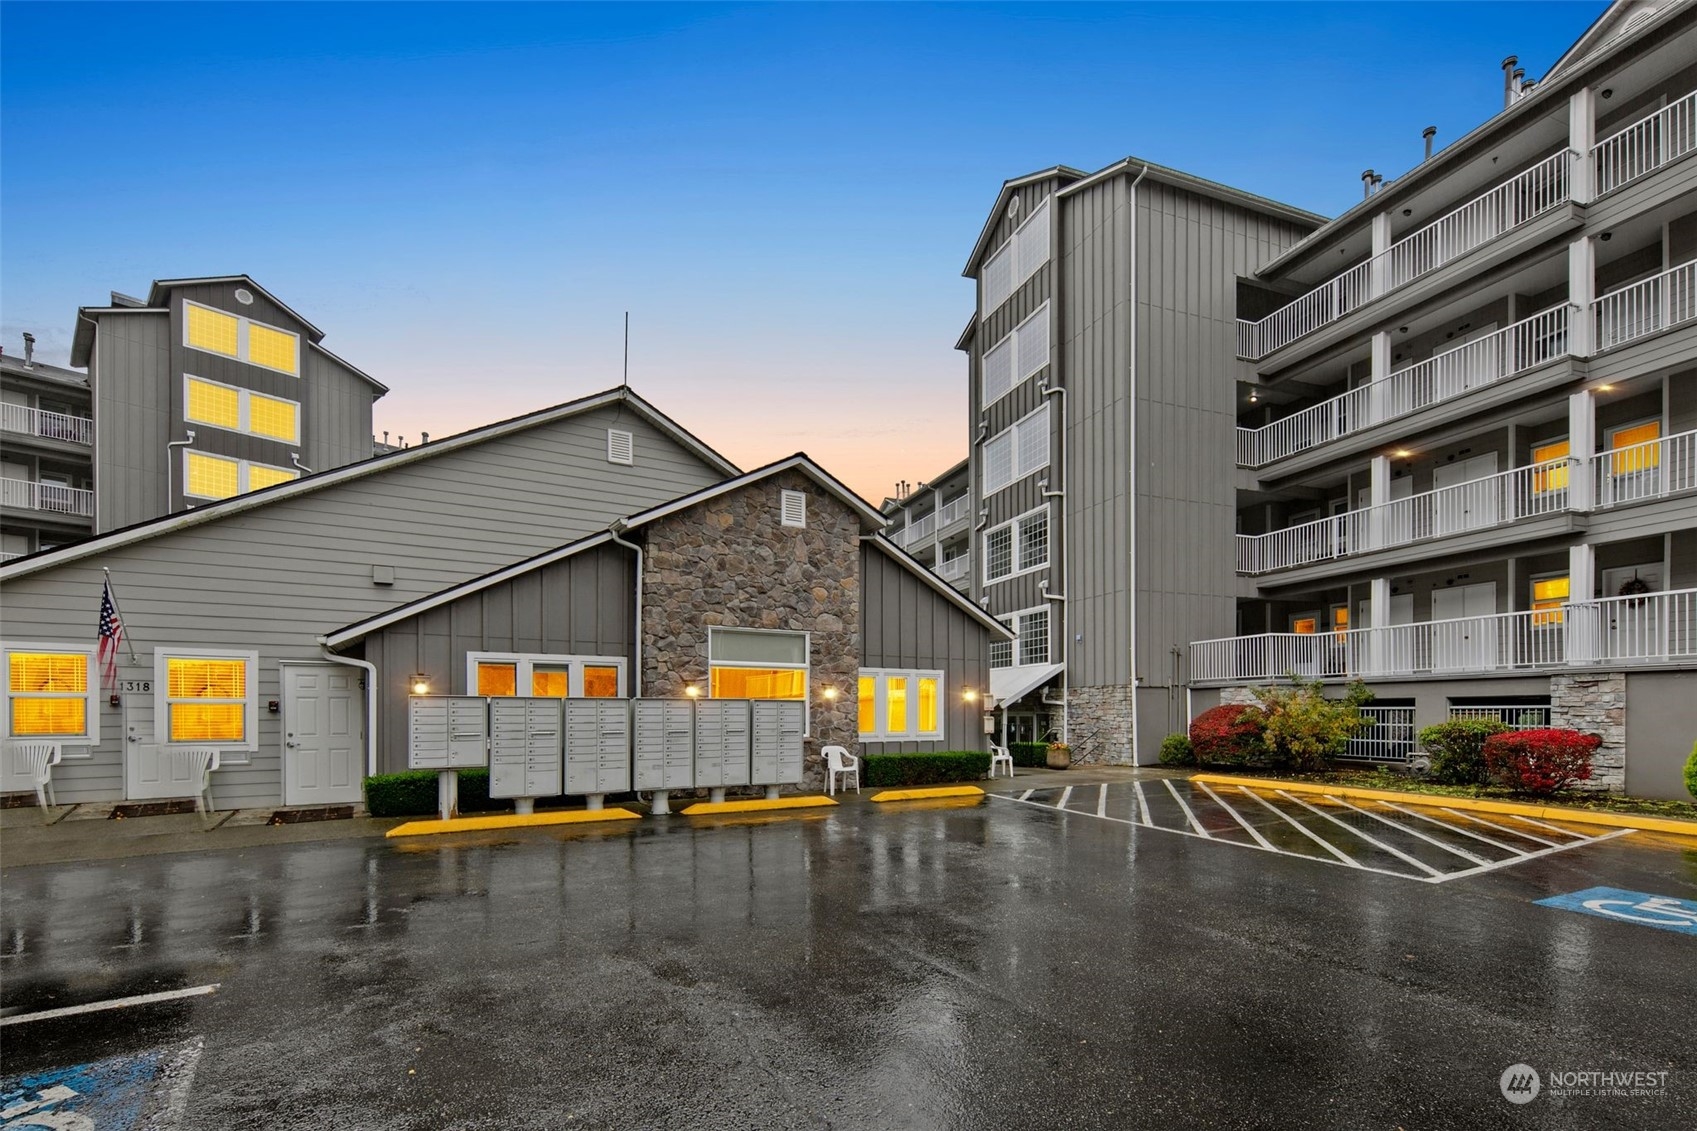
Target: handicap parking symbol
{"points": [[1640, 908], [140, 1090]]}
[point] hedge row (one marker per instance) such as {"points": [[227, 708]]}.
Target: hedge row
{"points": [[412, 793], [925, 769], [1030, 754]]}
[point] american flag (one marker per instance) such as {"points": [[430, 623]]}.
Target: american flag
{"points": [[111, 635]]}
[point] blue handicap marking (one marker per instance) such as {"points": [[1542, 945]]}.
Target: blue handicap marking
{"points": [[139, 1090], [1642, 908]]}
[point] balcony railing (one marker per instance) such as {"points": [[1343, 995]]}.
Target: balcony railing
{"points": [[1647, 144], [49, 425], [954, 512], [1512, 350], [21, 494], [1658, 303], [917, 531], [1446, 239], [1651, 470], [1493, 500], [8, 556], [955, 568], [1515, 716], [1655, 628]]}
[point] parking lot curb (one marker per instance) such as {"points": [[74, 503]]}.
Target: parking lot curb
{"points": [[754, 805], [511, 821], [928, 793], [1670, 825]]}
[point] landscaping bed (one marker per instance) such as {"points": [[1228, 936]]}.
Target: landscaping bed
{"points": [[929, 768]]}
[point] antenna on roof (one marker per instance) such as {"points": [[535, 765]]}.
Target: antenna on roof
{"points": [[626, 381]]}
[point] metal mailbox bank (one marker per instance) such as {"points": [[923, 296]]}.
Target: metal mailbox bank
{"points": [[721, 744], [776, 752], [524, 750], [597, 747], [663, 742], [447, 733]]}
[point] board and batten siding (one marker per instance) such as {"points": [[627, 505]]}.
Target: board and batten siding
{"points": [[129, 380], [904, 623], [581, 606], [277, 577]]}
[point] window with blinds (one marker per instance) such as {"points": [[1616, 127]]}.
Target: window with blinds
{"points": [[1015, 261], [232, 335], [240, 410], [1017, 451], [208, 698], [1016, 357], [206, 476], [49, 693]]}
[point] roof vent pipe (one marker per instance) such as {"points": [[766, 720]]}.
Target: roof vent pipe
{"points": [[1520, 82], [29, 350], [1508, 81], [1378, 182], [1429, 133], [1366, 183]]}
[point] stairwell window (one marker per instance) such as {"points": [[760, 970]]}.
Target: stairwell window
{"points": [[206, 476], [207, 698], [240, 410], [1017, 546], [50, 692], [1015, 261], [1016, 452], [1031, 646], [1016, 357], [233, 335]]}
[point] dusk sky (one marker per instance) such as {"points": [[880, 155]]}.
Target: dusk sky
{"points": [[467, 199]]}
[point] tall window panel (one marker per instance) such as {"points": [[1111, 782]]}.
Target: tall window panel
{"points": [[998, 553], [1031, 645], [1016, 357], [898, 704], [1015, 261], [1016, 546], [1017, 451]]}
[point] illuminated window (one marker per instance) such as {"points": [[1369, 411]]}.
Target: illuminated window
{"points": [[1549, 593], [240, 337], [212, 330], [211, 477], [907, 703], [1551, 478], [1305, 626], [273, 417], [49, 693], [544, 676], [218, 405], [1340, 619], [749, 664], [1634, 448], [206, 698], [240, 410], [259, 475]]}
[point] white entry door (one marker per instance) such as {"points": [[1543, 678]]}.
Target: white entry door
{"points": [[1463, 507], [323, 735], [149, 773], [1471, 644]]}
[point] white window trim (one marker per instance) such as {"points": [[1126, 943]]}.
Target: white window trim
{"points": [[242, 324], [162, 700], [1010, 246], [527, 661], [880, 701], [1012, 431], [1018, 524], [242, 468], [1011, 340], [806, 667], [1013, 619], [91, 685], [243, 399]]}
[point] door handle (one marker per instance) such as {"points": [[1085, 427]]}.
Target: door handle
{"points": [[135, 738], [291, 745]]}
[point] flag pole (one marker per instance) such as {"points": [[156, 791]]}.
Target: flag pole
{"points": [[122, 619]]}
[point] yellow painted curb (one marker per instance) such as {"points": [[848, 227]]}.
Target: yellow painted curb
{"points": [[1472, 804], [756, 805], [924, 794], [512, 821]]}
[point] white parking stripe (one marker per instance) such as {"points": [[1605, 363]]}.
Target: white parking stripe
{"points": [[1543, 852], [1238, 817], [1454, 828], [1543, 825], [110, 1003], [1461, 852], [1026, 794], [1102, 800], [1499, 828], [1066, 794], [1188, 815], [1305, 831], [1372, 840], [1142, 805]]}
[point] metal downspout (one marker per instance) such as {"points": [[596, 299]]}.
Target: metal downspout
{"points": [[370, 670], [1132, 454], [636, 641]]}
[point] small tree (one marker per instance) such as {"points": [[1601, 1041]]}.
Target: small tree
{"points": [[1458, 749], [1227, 735], [1541, 761], [1304, 730]]}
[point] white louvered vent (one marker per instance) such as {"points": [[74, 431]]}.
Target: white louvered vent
{"points": [[621, 448], [792, 508]]}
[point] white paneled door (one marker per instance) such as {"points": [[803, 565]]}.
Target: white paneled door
{"points": [[149, 773], [1469, 644], [1466, 507], [323, 734]]}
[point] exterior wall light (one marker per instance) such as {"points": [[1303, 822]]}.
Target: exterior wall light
{"points": [[693, 691], [420, 683], [969, 695], [830, 694]]}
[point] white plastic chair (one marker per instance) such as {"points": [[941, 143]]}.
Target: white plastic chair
{"points": [[999, 756], [199, 762], [41, 757], [839, 763]]}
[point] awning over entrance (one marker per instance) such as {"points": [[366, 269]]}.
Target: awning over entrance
{"points": [[1009, 685]]}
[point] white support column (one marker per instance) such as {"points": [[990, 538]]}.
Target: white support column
{"points": [[1584, 616], [1378, 495], [1581, 292], [1381, 369], [1582, 572], [1381, 244], [1379, 622], [1581, 139], [1581, 444]]}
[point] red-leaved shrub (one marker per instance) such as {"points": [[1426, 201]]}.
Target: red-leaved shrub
{"points": [[1540, 761], [1228, 735]]}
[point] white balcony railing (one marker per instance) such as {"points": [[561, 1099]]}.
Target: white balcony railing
{"points": [[1512, 350], [1446, 239], [1479, 504], [954, 512], [49, 425], [955, 568], [6, 556], [1647, 144], [1651, 470], [1658, 303], [916, 531], [21, 494], [1648, 629]]}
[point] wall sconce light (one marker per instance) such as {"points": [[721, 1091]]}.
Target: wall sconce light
{"points": [[830, 694], [1254, 396], [969, 695], [692, 691], [420, 683], [1402, 453]]}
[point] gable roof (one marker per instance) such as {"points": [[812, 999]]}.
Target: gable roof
{"points": [[156, 295], [798, 462], [1008, 186], [239, 504], [1615, 20]]}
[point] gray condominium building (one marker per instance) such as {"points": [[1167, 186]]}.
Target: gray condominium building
{"points": [[1445, 443]]}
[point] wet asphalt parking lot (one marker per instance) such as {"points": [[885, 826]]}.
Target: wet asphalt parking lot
{"points": [[1098, 959]]}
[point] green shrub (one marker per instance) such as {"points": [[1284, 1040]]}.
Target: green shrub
{"points": [[1303, 730], [1691, 772], [412, 793], [1176, 751], [1458, 749], [929, 768], [1035, 754]]}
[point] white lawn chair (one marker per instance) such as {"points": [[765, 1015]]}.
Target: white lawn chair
{"points": [[40, 757], [999, 756], [199, 762], [839, 763]]}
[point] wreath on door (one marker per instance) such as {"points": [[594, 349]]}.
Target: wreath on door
{"points": [[1635, 588]]}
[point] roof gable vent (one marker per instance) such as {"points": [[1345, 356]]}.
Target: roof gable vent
{"points": [[621, 448], [792, 508]]}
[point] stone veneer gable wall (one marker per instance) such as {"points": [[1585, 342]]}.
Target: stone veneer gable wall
{"points": [[728, 562]]}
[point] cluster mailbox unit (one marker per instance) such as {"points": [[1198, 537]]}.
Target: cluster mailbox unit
{"points": [[541, 747]]}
